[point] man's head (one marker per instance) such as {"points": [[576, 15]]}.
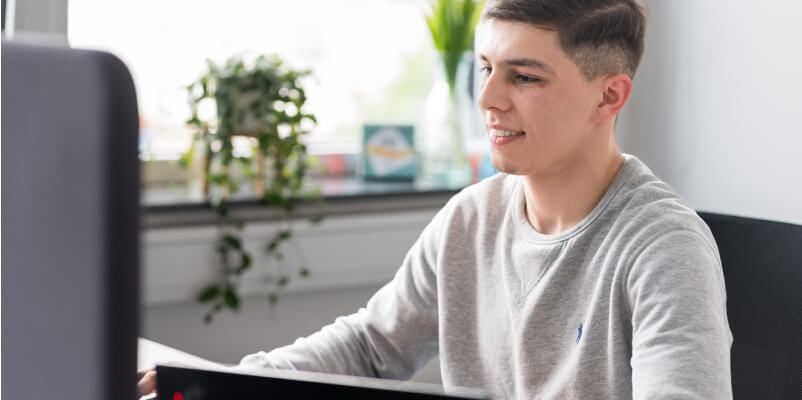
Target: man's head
{"points": [[602, 37], [555, 73]]}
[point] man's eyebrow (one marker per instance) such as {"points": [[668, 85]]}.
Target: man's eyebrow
{"points": [[524, 62]]}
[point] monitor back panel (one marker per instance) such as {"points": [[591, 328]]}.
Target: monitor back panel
{"points": [[70, 226]]}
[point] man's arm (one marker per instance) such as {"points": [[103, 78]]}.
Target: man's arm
{"points": [[392, 337], [680, 334]]}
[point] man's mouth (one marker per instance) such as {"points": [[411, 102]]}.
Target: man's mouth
{"points": [[502, 133]]}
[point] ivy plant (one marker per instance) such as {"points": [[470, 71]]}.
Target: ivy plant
{"points": [[262, 102]]}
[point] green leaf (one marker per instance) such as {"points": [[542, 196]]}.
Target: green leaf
{"points": [[218, 179], [209, 294], [207, 319], [284, 235], [232, 241], [452, 25], [186, 158], [303, 272], [245, 263], [272, 298], [231, 299], [283, 281], [273, 198], [222, 208]]}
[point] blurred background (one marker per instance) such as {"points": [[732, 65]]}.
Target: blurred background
{"points": [[715, 113]]}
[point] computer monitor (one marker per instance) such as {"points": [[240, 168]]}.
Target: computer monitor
{"points": [[70, 225]]}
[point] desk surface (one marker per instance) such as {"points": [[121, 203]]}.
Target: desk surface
{"points": [[150, 353]]}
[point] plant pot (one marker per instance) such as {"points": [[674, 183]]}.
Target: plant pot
{"points": [[447, 120]]}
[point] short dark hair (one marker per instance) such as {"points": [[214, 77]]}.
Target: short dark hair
{"points": [[602, 37]]}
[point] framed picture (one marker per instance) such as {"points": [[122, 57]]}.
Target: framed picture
{"points": [[389, 153]]}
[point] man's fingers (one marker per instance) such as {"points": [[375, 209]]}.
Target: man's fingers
{"points": [[141, 374], [147, 382]]}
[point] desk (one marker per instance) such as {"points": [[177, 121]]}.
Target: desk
{"points": [[150, 353]]}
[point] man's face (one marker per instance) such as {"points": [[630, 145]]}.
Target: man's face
{"points": [[531, 88]]}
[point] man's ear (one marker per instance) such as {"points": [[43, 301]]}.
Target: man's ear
{"points": [[615, 92]]}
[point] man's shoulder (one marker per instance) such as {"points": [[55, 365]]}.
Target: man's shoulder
{"points": [[648, 209]]}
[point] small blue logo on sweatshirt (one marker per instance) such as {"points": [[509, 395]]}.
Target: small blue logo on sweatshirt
{"points": [[579, 335]]}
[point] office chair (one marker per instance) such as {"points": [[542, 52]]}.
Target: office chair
{"points": [[762, 263]]}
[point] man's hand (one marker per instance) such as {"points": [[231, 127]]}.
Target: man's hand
{"points": [[147, 383]]}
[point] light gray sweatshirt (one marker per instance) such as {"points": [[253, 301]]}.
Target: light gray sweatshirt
{"points": [[629, 303]]}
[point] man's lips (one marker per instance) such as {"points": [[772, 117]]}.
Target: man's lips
{"points": [[500, 136]]}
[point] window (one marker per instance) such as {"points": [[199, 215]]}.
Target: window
{"points": [[372, 60]]}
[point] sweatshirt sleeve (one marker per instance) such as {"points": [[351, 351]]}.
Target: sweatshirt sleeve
{"points": [[393, 336], [680, 334]]}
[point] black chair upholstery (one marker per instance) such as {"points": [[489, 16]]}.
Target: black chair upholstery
{"points": [[762, 263]]}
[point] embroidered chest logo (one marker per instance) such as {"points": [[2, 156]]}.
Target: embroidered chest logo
{"points": [[579, 334]]}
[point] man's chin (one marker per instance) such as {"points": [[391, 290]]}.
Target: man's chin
{"points": [[504, 166]]}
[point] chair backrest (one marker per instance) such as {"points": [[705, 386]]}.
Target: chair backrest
{"points": [[70, 249], [762, 263]]}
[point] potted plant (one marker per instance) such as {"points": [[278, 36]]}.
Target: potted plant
{"points": [[263, 103], [452, 24]]}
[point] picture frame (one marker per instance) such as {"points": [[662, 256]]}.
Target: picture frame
{"points": [[389, 153]]}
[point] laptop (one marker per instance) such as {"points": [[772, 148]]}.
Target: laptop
{"points": [[177, 382]]}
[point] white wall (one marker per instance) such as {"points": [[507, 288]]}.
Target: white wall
{"points": [[257, 326], [350, 257], [717, 104]]}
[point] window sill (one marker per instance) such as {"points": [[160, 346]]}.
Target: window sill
{"points": [[182, 206]]}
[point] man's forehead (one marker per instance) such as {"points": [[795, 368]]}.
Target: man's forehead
{"points": [[516, 43]]}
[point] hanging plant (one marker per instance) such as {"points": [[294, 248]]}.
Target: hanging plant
{"points": [[262, 103]]}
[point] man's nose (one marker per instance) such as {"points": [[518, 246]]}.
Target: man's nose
{"points": [[493, 96]]}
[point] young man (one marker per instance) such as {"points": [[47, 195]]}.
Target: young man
{"points": [[575, 273]]}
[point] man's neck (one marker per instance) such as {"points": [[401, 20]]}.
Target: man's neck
{"points": [[559, 201]]}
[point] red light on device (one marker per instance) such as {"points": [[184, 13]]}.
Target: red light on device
{"points": [[178, 396]]}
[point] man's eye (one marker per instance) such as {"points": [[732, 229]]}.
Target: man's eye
{"points": [[485, 70], [527, 78]]}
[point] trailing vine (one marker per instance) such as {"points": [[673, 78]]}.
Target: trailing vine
{"points": [[263, 103]]}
